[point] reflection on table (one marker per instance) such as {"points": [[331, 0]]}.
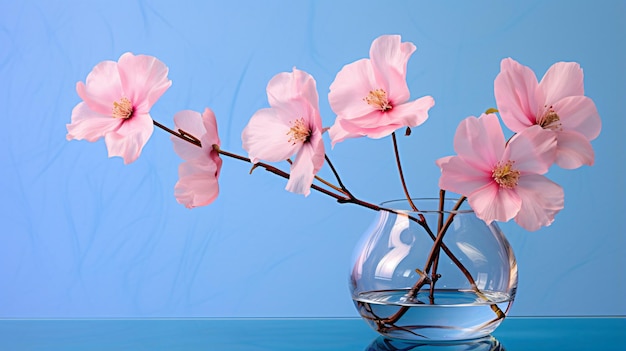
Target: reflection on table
{"points": [[524, 334], [483, 344]]}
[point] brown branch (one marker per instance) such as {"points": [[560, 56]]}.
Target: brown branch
{"points": [[399, 164], [332, 168], [181, 134], [434, 276]]}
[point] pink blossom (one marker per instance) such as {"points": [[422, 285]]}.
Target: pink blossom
{"points": [[557, 104], [370, 96], [503, 181], [117, 97], [197, 184], [292, 125]]}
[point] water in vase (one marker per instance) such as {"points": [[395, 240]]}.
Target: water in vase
{"points": [[451, 315]]}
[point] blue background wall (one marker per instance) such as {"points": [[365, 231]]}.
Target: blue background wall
{"points": [[85, 236]]}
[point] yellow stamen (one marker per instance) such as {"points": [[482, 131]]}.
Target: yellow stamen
{"points": [[299, 132], [378, 99], [505, 175], [550, 120], [123, 109]]}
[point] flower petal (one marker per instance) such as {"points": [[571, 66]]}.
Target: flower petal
{"points": [[211, 137], [389, 57], [129, 139], [515, 91], [413, 113], [338, 134], [377, 124], [368, 123], [375, 132], [349, 89], [88, 124], [541, 198], [461, 178], [573, 150], [197, 184], [319, 155], [266, 137], [443, 160], [533, 150], [295, 85], [308, 162], [192, 123], [144, 79], [480, 141], [198, 176], [494, 203], [302, 175], [562, 79], [101, 88], [579, 114]]}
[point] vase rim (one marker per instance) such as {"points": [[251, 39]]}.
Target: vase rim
{"points": [[405, 207]]}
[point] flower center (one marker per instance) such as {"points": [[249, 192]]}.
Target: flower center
{"points": [[299, 132], [122, 109], [378, 99], [505, 175], [550, 120]]}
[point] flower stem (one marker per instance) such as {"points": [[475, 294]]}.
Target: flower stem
{"points": [[339, 197], [399, 164], [181, 134], [434, 276], [341, 189], [434, 250], [332, 168]]}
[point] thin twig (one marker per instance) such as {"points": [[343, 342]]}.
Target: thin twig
{"points": [[181, 134], [434, 276], [340, 198], [332, 168], [399, 164], [327, 183]]}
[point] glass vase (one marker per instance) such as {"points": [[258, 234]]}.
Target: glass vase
{"points": [[407, 287]]}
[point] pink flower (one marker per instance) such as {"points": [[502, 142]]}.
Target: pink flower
{"points": [[197, 184], [291, 126], [503, 181], [117, 98], [370, 96], [557, 104]]}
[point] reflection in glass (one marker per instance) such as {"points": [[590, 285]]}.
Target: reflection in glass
{"points": [[399, 247], [488, 343]]}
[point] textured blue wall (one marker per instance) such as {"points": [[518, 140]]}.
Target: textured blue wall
{"points": [[85, 236]]}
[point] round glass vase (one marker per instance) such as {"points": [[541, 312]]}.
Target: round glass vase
{"points": [[406, 287]]}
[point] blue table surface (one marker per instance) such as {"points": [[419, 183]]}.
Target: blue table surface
{"points": [[515, 333]]}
